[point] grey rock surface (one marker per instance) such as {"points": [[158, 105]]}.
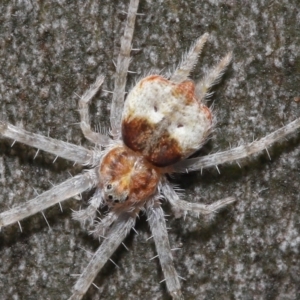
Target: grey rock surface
{"points": [[51, 51]]}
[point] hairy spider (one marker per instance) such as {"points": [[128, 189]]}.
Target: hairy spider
{"points": [[162, 123]]}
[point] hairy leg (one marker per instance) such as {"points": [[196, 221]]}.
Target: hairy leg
{"points": [[101, 227], [158, 227], [88, 214], [115, 236], [181, 206], [194, 164], [68, 151], [212, 78], [121, 71], [84, 102], [63, 191], [188, 63]]}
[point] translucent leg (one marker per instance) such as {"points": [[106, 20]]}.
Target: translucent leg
{"points": [[102, 226], [212, 78], [84, 101], [62, 149], [180, 206], [158, 227], [186, 66], [194, 164], [88, 215], [122, 69], [116, 234], [63, 191]]}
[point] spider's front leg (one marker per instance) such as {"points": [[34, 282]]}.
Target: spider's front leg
{"points": [[158, 228], [115, 236], [63, 191]]}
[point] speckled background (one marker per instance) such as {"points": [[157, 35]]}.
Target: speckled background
{"points": [[52, 50]]}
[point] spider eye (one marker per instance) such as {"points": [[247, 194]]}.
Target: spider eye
{"points": [[110, 197], [117, 201], [109, 186]]}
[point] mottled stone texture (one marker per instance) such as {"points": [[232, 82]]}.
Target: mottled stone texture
{"points": [[51, 51]]}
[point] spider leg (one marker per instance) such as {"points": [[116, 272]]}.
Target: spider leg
{"points": [[56, 147], [158, 227], [179, 206], [121, 70], [84, 101], [101, 228], [212, 78], [89, 214], [186, 66], [115, 236], [63, 191], [198, 163]]}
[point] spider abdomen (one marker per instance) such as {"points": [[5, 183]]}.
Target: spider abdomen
{"points": [[164, 121]]}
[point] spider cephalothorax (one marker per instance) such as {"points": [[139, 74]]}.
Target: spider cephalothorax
{"points": [[127, 179], [163, 122]]}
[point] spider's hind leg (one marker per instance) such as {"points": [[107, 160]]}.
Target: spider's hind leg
{"points": [[121, 71], [212, 78], [186, 66], [84, 101], [197, 163]]}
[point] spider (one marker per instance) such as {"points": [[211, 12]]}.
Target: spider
{"points": [[130, 173]]}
